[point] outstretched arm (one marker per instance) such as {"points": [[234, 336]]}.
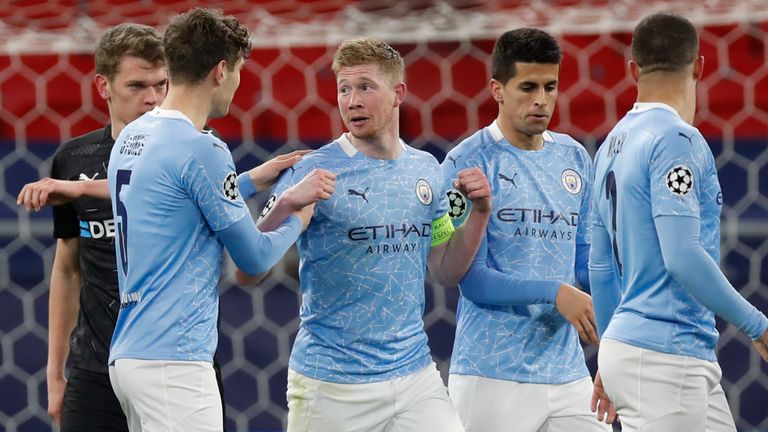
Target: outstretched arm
{"points": [[299, 199], [262, 177], [47, 191]]}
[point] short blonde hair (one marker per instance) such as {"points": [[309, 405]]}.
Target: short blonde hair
{"points": [[364, 51]]}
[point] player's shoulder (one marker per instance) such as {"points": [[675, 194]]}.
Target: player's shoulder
{"points": [[662, 122], [325, 156], [472, 144], [206, 141], [97, 136], [329, 151], [179, 137], [420, 155], [563, 140], [672, 136], [568, 144]]}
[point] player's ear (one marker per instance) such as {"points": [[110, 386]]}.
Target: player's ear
{"points": [[634, 70], [102, 83], [496, 90], [698, 68], [400, 91], [220, 72]]}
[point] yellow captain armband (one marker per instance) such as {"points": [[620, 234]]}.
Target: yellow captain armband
{"points": [[442, 230]]}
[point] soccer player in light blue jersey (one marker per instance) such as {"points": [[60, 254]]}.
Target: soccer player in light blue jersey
{"points": [[361, 361], [177, 204], [517, 364], [656, 246]]}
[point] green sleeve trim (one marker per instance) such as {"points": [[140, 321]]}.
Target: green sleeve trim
{"points": [[442, 230]]}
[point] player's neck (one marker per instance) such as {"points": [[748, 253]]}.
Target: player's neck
{"points": [[518, 138], [677, 92], [116, 126], [385, 146], [193, 102]]}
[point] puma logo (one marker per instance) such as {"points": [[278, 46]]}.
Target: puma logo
{"points": [[511, 180], [85, 177], [360, 194], [452, 159], [690, 141]]}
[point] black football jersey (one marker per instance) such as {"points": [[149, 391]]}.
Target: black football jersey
{"points": [[86, 158]]}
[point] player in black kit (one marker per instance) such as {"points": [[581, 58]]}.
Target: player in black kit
{"points": [[132, 78]]}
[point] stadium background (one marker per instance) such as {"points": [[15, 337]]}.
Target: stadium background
{"points": [[287, 101]]}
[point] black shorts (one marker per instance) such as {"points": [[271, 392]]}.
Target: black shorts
{"points": [[90, 404]]}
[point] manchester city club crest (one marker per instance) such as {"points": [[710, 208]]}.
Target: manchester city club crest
{"points": [[424, 192], [571, 181]]}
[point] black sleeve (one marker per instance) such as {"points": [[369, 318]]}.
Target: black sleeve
{"points": [[65, 223]]}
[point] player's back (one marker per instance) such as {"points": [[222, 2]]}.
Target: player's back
{"points": [[645, 169], [167, 198]]}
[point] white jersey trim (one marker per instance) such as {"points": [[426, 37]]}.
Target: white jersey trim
{"points": [[159, 112], [346, 145], [645, 106], [497, 136], [350, 149]]}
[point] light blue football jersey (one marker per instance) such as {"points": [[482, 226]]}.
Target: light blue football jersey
{"points": [[541, 204], [183, 182], [363, 260], [654, 164]]}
